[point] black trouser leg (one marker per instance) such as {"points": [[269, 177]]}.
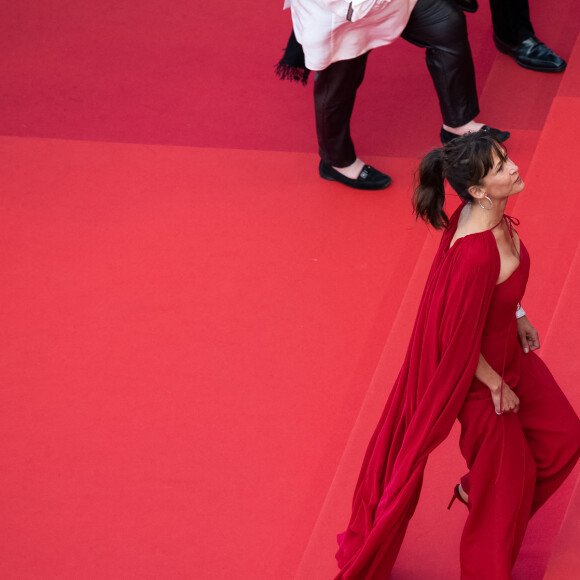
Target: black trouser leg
{"points": [[511, 20], [334, 95], [440, 27], [436, 25]]}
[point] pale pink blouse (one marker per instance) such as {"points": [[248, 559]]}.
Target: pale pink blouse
{"points": [[321, 26]]}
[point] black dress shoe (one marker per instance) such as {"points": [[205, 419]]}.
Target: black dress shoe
{"points": [[501, 136], [467, 5], [532, 54], [369, 178]]}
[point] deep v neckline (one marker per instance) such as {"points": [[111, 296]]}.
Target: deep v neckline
{"points": [[511, 222]]}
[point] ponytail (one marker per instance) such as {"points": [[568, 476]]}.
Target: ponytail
{"points": [[463, 162], [429, 194]]}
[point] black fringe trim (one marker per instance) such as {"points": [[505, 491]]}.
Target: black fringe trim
{"points": [[292, 65], [287, 72]]}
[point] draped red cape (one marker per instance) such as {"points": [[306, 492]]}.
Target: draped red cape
{"points": [[430, 389]]}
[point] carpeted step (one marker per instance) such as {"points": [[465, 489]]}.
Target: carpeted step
{"points": [[570, 85], [219, 313], [549, 211], [564, 507], [565, 561], [318, 560]]}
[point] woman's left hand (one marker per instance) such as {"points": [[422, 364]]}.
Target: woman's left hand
{"points": [[505, 400], [528, 335]]}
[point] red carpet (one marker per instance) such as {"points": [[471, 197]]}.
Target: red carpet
{"points": [[198, 332], [188, 75]]}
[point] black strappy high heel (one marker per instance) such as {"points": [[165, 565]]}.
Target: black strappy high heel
{"points": [[457, 495]]}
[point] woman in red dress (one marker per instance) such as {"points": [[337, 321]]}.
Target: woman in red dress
{"points": [[470, 357]]}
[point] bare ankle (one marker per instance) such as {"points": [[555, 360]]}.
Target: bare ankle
{"points": [[351, 171], [470, 127]]}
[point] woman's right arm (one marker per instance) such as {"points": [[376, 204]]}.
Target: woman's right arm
{"points": [[509, 401]]}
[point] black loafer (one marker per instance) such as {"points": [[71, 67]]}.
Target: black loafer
{"points": [[532, 54], [369, 178], [501, 136], [467, 5]]}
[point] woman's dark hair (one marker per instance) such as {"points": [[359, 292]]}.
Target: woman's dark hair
{"points": [[463, 162]]}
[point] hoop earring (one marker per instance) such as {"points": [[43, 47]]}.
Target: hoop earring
{"points": [[490, 203]]}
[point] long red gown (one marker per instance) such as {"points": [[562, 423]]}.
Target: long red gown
{"points": [[462, 312], [516, 461]]}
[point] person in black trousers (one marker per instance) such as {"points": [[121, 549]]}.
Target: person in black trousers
{"points": [[514, 35], [338, 53], [440, 28]]}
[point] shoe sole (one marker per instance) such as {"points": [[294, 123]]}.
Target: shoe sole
{"points": [[561, 68], [329, 178], [353, 185]]}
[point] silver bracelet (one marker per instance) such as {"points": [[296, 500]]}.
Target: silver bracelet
{"points": [[520, 311]]}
